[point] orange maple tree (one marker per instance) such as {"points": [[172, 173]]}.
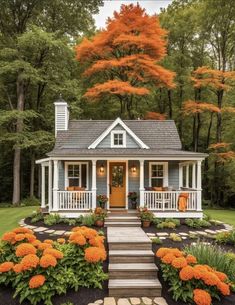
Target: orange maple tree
{"points": [[151, 115], [123, 60]]}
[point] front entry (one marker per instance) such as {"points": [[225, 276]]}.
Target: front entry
{"points": [[117, 185]]}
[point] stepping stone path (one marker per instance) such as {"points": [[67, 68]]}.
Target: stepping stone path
{"points": [[131, 301]]}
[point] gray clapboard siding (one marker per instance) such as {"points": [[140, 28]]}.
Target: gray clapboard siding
{"points": [[134, 178], [101, 178]]}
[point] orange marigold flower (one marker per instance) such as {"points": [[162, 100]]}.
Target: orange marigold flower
{"points": [[201, 297], [5, 267], [37, 281], [43, 246], [209, 278], [162, 252], [9, 236], [97, 241], [168, 258], [222, 276], [22, 230], [179, 262], [36, 243], [199, 271], [95, 254], [48, 260], [56, 253], [29, 261], [191, 259], [25, 249], [176, 252], [223, 288], [48, 241], [186, 273], [78, 239], [19, 237], [89, 233], [18, 268], [61, 241], [30, 237]]}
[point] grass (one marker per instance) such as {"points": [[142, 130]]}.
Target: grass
{"points": [[227, 216], [9, 217]]}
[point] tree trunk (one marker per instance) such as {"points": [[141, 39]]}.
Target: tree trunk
{"points": [[170, 103], [17, 150], [32, 174], [197, 131], [219, 117]]}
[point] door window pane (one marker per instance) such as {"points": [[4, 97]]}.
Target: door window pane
{"points": [[117, 176]]}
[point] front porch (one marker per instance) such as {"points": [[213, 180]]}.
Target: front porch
{"points": [[71, 191]]}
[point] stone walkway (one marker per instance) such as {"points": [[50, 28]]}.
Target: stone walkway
{"points": [[131, 301]]}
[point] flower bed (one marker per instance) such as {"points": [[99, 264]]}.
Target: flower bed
{"points": [[191, 282], [39, 270]]}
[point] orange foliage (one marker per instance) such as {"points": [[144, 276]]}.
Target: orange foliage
{"points": [[155, 116], [127, 53], [226, 156], [216, 79], [219, 145], [192, 107]]}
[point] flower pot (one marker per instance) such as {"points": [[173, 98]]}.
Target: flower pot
{"points": [[102, 204], [146, 224], [133, 205], [99, 223]]}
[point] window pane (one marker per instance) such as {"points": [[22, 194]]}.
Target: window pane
{"points": [[73, 182], [118, 139], [117, 176], [157, 182], [84, 176]]}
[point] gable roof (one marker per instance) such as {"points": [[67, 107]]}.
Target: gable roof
{"points": [[118, 121]]}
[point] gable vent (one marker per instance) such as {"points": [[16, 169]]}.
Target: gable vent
{"points": [[61, 115]]}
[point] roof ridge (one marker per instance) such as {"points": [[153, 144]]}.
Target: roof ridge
{"points": [[86, 120]]}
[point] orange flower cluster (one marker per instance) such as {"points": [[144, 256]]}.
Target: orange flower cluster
{"points": [[5, 267], [37, 281], [48, 260], [18, 235], [56, 253], [189, 270], [25, 249], [95, 254]]}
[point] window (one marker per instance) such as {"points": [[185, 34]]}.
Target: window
{"points": [[158, 174], [76, 174], [118, 138]]}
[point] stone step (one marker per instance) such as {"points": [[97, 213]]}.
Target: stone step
{"points": [[117, 218], [133, 271], [130, 245], [131, 256], [134, 287], [122, 223]]}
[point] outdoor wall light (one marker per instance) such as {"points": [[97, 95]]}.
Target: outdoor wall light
{"points": [[133, 169], [102, 169]]}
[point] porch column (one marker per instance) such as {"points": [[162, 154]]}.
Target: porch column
{"points": [[187, 176], [43, 202], [180, 176], [93, 188], [50, 185], [199, 186], [141, 189], [194, 175], [55, 187]]}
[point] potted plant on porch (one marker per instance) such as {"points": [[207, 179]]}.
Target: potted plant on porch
{"points": [[133, 198], [146, 217], [102, 199], [99, 216]]}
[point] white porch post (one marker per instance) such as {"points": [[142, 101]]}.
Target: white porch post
{"points": [[141, 189], [55, 187], [43, 202], [194, 176], [50, 185], [180, 176], [199, 186], [93, 188], [187, 176]]}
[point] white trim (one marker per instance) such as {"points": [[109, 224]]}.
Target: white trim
{"points": [[173, 214], [66, 184], [123, 132], [42, 160], [115, 158], [127, 180], [111, 127], [165, 172]]}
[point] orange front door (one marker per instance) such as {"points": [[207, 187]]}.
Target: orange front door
{"points": [[117, 185]]}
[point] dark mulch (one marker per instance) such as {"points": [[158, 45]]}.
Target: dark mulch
{"points": [[230, 300]]}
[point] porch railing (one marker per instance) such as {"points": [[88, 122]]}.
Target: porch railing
{"points": [[168, 200], [74, 200]]}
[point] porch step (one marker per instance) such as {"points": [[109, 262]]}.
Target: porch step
{"points": [[131, 256], [122, 218], [130, 245], [117, 223], [133, 271], [134, 287]]}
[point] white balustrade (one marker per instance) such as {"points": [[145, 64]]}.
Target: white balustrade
{"points": [[74, 200]]}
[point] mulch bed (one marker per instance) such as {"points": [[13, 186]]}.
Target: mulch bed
{"points": [[59, 226]]}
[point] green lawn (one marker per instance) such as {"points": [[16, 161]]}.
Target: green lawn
{"points": [[228, 216], [9, 217]]}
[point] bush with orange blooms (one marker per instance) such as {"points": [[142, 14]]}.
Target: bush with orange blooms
{"points": [[32, 266], [189, 281]]}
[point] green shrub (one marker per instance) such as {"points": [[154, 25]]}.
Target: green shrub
{"points": [[36, 216], [175, 237], [214, 256], [169, 223], [30, 201], [88, 220], [197, 223], [52, 219], [156, 240], [157, 221], [175, 221], [226, 237]]}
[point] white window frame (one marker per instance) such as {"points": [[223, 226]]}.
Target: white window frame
{"points": [[123, 132], [165, 172], [66, 179]]}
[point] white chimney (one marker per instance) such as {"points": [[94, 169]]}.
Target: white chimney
{"points": [[61, 115]]}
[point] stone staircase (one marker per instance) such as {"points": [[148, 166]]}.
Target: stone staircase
{"points": [[132, 271]]}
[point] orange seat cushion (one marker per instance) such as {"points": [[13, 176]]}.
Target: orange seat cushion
{"points": [[157, 188], [70, 188]]}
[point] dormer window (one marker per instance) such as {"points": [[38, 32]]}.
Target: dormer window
{"points": [[118, 138]]}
